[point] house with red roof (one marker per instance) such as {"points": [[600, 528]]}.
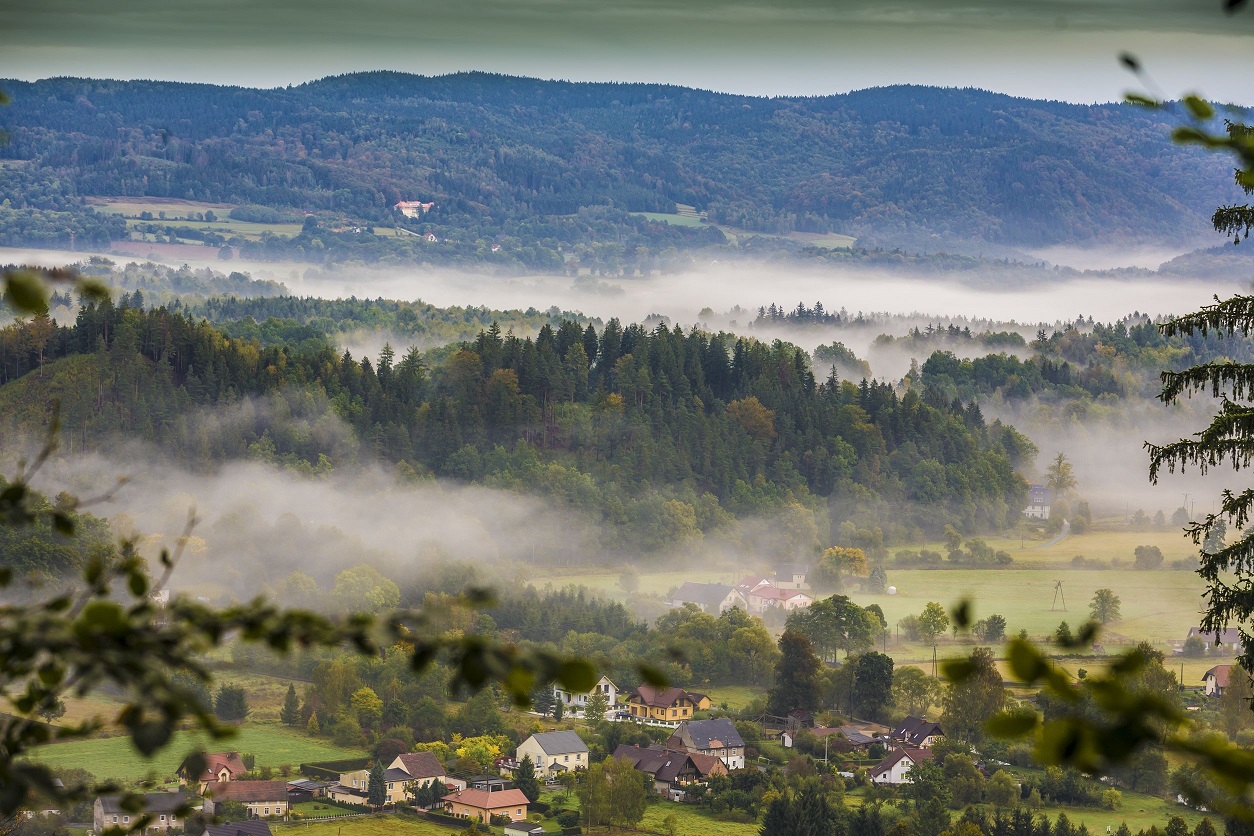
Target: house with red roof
{"points": [[1216, 680], [219, 767]]}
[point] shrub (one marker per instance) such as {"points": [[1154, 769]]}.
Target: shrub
{"points": [[568, 818], [1147, 557]]}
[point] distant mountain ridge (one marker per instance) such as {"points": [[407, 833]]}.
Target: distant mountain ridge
{"points": [[489, 150]]}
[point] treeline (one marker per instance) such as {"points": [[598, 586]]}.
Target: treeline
{"points": [[495, 150], [661, 435]]}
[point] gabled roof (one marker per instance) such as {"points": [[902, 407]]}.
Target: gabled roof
{"points": [[1228, 635], [705, 594], [249, 791], [668, 764], [420, 764], [916, 730], [308, 785], [892, 758], [214, 764], [1221, 673], [656, 697], [154, 802], [560, 742], [708, 734], [484, 800], [256, 827]]}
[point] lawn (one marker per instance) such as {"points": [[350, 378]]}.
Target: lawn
{"points": [[367, 826], [320, 809], [735, 696], [674, 220], [115, 758], [689, 821]]}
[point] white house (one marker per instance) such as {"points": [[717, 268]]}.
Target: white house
{"points": [[554, 752], [1216, 680], [1039, 499], [574, 703], [712, 598], [896, 766]]}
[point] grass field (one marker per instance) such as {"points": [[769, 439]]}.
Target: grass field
{"points": [[115, 758], [689, 821], [367, 826], [674, 219], [176, 211], [320, 809], [736, 696]]}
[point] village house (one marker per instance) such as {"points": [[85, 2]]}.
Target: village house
{"points": [[1039, 499], [763, 598], [896, 766], [554, 752], [791, 577], [413, 208], [649, 702], [574, 702], [916, 733], [716, 738], [239, 828], [1216, 680], [481, 806], [670, 769], [352, 787], [416, 767], [262, 798], [1218, 641], [220, 767], [523, 828], [162, 806], [712, 598]]}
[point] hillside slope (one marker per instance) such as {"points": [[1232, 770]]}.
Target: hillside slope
{"points": [[494, 152]]}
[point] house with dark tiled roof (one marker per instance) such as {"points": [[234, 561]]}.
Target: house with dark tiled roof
{"points": [[896, 766], [671, 769], [163, 807], [262, 798], [554, 752], [716, 738], [916, 732], [712, 598], [651, 702], [1218, 641], [219, 767], [239, 828]]}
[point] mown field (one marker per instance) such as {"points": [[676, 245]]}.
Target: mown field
{"points": [[177, 213], [1157, 605], [367, 826], [115, 757]]}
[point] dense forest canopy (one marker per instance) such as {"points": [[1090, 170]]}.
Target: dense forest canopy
{"points": [[525, 160]]}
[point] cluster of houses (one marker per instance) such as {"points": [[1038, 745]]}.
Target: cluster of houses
{"points": [[787, 590]]}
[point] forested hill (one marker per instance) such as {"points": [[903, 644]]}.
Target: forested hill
{"points": [[491, 151]]}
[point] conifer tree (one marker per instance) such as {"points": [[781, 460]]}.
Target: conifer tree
{"points": [[290, 715]]}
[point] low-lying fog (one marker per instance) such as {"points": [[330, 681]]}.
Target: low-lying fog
{"points": [[1108, 457]]}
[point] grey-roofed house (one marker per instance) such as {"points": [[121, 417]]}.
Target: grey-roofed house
{"points": [[162, 806], [712, 598], [916, 732], [554, 752], [718, 738], [256, 827]]}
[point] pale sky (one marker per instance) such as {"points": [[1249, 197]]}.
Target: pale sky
{"points": [[1060, 49]]}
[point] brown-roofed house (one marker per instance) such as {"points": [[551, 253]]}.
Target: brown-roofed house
{"points": [[481, 805], [653, 703], [1216, 680], [220, 767], [718, 738], [896, 766], [671, 769], [262, 798]]}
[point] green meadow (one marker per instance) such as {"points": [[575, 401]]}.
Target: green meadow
{"points": [[115, 758]]}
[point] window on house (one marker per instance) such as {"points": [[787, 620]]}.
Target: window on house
{"points": [[115, 819], [163, 818], [125, 819]]}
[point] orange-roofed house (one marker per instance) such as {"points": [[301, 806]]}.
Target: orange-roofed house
{"points": [[481, 805], [220, 767]]}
